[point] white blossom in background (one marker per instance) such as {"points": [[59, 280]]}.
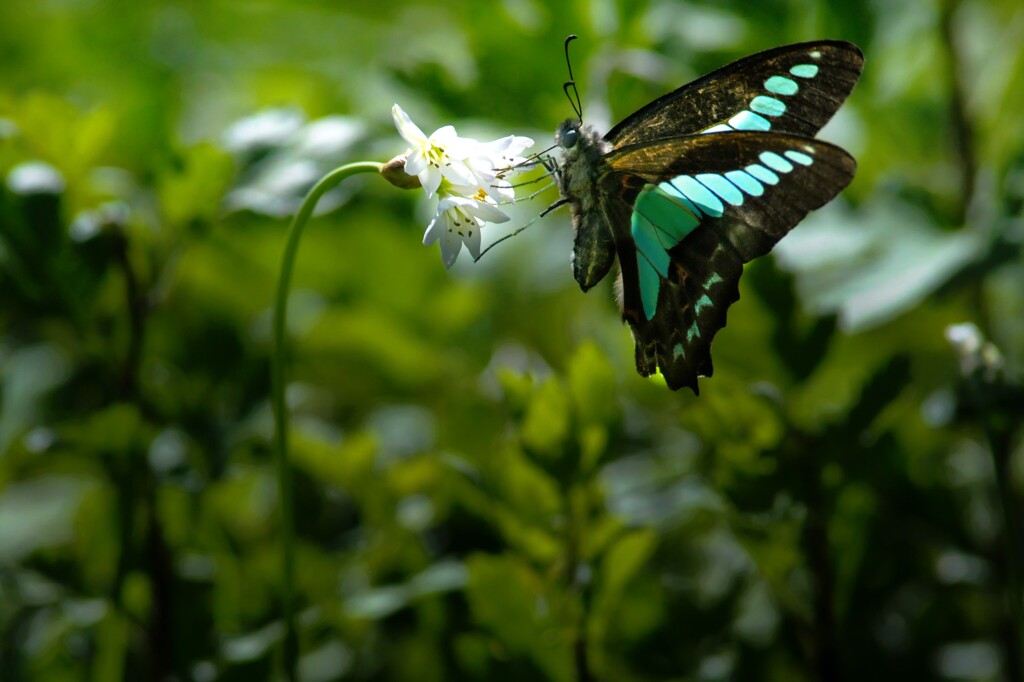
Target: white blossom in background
{"points": [[973, 351], [468, 178]]}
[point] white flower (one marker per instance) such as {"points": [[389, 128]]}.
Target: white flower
{"points": [[492, 161], [442, 155], [458, 221], [467, 176]]}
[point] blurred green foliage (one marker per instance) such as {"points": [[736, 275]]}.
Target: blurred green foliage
{"points": [[485, 489]]}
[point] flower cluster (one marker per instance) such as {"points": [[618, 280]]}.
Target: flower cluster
{"points": [[468, 178]]}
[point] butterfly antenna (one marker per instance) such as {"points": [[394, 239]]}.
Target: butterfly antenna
{"points": [[574, 96]]}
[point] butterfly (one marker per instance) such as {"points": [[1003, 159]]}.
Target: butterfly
{"points": [[700, 181]]}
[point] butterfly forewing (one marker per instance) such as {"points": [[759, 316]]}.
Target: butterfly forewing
{"points": [[790, 89]]}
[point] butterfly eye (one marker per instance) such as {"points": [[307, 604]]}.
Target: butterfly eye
{"points": [[569, 138]]}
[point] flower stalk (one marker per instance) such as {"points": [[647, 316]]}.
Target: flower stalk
{"points": [[468, 178], [285, 488]]}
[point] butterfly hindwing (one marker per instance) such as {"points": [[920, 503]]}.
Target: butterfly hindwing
{"points": [[702, 282], [790, 89], [693, 221], [755, 186]]}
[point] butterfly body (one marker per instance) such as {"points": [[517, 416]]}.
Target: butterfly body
{"points": [[580, 180], [699, 182]]}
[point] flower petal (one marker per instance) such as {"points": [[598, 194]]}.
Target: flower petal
{"points": [[503, 151], [502, 190], [415, 162], [451, 245], [434, 230], [482, 170], [430, 178], [444, 136], [495, 147], [482, 210], [458, 173], [518, 145], [454, 146], [472, 241], [406, 128]]}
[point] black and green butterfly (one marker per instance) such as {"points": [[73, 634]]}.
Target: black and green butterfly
{"points": [[697, 183]]}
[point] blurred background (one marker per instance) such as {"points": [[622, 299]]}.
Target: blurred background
{"points": [[486, 489]]}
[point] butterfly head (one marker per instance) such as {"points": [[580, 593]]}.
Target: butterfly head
{"points": [[568, 134]]}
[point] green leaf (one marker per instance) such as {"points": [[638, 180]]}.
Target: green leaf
{"points": [[623, 561], [522, 501], [592, 386], [193, 194], [64, 135], [773, 545], [38, 513], [545, 429], [348, 465], [117, 430], [507, 598]]}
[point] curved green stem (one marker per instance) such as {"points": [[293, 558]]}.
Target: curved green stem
{"points": [[277, 378]]}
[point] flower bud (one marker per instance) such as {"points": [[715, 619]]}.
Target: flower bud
{"points": [[394, 172]]}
